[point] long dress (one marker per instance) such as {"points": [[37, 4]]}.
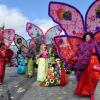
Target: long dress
{"points": [[89, 78], [30, 62], [64, 77], [42, 68], [29, 69], [21, 64], [2, 64]]}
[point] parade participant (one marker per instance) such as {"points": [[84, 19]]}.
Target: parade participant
{"points": [[2, 61], [21, 63], [42, 62], [21, 45], [38, 35], [30, 61], [88, 77], [78, 55], [21, 59], [5, 58]]}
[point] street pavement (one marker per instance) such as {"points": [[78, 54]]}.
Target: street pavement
{"points": [[17, 87], [14, 85], [57, 93], [53, 93]]}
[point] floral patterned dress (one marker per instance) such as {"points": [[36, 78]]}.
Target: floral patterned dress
{"points": [[55, 77]]}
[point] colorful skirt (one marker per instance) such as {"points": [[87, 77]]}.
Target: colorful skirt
{"points": [[55, 78]]}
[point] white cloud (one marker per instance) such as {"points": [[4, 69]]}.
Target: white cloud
{"points": [[13, 18], [44, 24]]}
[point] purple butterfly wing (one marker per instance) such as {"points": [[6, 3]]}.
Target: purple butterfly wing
{"points": [[51, 33], [68, 17], [93, 17]]}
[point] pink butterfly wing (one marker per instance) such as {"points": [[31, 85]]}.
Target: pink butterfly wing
{"points": [[93, 17], [1, 33], [8, 35], [68, 17], [34, 32]]}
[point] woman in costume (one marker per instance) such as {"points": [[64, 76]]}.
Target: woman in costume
{"points": [[74, 26], [2, 62], [42, 62], [40, 37], [21, 57], [5, 58], [83, 58], [88, 77]]}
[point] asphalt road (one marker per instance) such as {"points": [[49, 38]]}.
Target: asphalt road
{"points": [[14, 85], [36, 92], [17, 87]]}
